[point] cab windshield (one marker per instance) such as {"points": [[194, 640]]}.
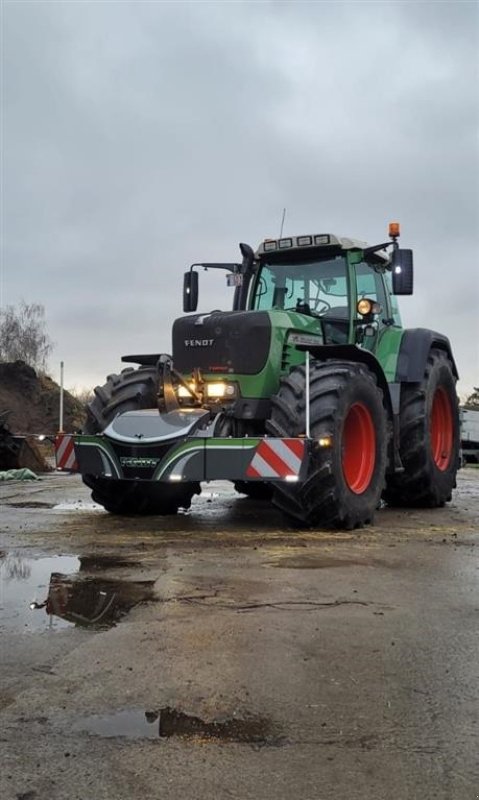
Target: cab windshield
{"points": [[313, 287]]}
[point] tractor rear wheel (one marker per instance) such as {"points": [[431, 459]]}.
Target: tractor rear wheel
{"points": [[349, 428], [429, 438], [131, 390]]}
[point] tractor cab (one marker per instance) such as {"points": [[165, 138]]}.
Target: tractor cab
{"points": [[344, 288], [298, 291], [333, 281]]}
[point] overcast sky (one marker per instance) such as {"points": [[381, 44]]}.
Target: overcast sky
{"points": [[141, 137]]}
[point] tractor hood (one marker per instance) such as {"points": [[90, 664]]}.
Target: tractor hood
{"points": [[223, 342]]}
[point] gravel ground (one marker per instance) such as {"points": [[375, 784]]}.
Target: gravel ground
{"points": [[223, 654]]}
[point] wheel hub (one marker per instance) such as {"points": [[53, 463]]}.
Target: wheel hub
{"points": [[359, 448], [441, 429]]}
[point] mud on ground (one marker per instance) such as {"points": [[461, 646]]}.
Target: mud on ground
{"points": [[221, 653]]}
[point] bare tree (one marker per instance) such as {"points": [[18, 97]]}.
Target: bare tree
{"points": [[23, 335], [473, 399], [82, 394]]}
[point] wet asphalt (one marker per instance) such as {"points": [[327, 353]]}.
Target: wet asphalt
{"points": [[223, 654]]}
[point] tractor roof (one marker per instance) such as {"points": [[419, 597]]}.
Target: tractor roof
{"points": [[317, 240]]}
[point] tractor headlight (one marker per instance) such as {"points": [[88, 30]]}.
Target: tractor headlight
{"points": [[183, 391], [220, 389], [366, 307]]}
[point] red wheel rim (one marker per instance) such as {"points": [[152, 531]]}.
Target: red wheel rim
{"points": [[359, 448], [441, 429]]}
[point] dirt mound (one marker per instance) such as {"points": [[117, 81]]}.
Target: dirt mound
{"points": [[34, 401]]}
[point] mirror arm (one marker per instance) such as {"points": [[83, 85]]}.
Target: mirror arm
{"points": [[376, 247], [214, 265]]}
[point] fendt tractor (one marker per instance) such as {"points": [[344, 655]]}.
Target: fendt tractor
{"points": [[309, 393]]}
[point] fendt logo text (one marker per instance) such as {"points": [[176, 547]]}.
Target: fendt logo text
{"points": [[198, 342], [144, 463]]}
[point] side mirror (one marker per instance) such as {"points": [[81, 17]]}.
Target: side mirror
{"points": [[402, 270], [190, 291]]}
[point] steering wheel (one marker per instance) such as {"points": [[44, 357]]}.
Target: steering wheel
{"points": [[304, 308], [323, 306]]}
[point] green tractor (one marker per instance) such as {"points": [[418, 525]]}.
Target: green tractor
{"points": [[309, 393]]}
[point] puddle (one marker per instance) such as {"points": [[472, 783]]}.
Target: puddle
{"points": [[31, 504], [26, 580], [168, 722], [94, 602], [77, 506], [35, 596], [320, 562]]}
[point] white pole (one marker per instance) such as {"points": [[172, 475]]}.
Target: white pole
{"points": [[61, 398], [308, 425]]}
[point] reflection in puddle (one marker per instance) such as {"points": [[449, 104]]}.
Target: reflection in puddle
{"points": [[36, 596], [168, 722], [23, 580], [130, 724], [94, 602]]}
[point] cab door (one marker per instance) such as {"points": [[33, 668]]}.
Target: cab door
{"points": [[370, 285]]}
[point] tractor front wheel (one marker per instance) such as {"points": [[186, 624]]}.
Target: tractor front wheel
{"points": [[429, 438], [255, 490], [135, 498], [349, 432], [132, 389]]}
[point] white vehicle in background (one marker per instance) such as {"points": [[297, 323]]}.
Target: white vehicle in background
{"points": [[470, 435]]}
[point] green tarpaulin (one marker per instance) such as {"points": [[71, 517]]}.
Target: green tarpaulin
{"points": [[18, 475]]}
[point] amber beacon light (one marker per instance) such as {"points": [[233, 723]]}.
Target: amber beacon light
{"points": [[394, 229]]}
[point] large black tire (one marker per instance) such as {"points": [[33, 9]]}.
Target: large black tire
{"points": [[132, 389], [255, 490], [429, 438], [345, 479], [134, 498]]}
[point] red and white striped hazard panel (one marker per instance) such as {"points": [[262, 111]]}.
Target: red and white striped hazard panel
{"points": [[277, 458], [65, 452]]}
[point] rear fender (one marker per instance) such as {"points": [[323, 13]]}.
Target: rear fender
{"points": [[416, 345]]}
